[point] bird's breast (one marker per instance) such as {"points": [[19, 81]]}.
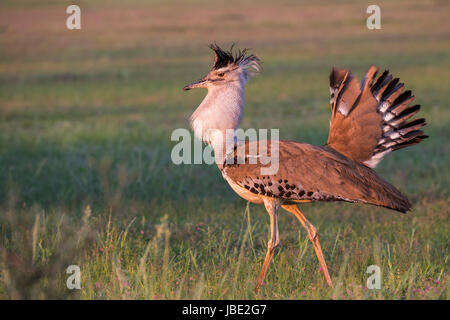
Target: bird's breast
{"points": [[244, 193]]}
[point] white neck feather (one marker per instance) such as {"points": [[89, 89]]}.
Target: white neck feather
{"points": [[221, 110]]}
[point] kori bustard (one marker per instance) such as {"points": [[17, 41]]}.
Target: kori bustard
{"points": [[368, 121]]}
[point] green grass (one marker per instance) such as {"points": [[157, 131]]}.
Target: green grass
{"points": [[85, 170]]}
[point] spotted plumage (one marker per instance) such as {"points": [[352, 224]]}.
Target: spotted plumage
{"points": [[322, 174]]}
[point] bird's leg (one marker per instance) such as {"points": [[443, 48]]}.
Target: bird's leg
{"points": [[313, 236], [272, 207]]}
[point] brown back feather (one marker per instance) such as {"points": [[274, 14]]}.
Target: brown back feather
{"points": [[308, 172]]}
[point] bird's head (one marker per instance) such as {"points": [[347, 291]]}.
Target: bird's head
{"points": [[229, 67]]}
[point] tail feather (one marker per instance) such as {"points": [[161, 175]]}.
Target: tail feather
{"points": [[377, 121], [397, 132], [403, 115], [381, 82]]}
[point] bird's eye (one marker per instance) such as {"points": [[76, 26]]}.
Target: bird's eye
{"points": [[221, 74]]}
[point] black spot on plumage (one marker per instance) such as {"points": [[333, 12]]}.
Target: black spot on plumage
{"points": [[287, 187], [301, 193], [288, 194], [280, 188], [281, 193], [310, 193], [280, 181], [246, 187], [256, 185], [285, 181], [270, 184]]}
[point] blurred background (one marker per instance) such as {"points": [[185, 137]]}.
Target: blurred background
{"points": [[85, 123]]}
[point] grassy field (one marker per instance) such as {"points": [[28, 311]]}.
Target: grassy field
{"points": [[85, 170]]}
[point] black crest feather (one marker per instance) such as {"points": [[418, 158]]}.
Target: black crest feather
{"points": [[223, 58]]}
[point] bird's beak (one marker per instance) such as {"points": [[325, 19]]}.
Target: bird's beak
{"points": [[197, 84]]}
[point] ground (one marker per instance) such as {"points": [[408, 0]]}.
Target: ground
{"points": [[86, 177]]}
